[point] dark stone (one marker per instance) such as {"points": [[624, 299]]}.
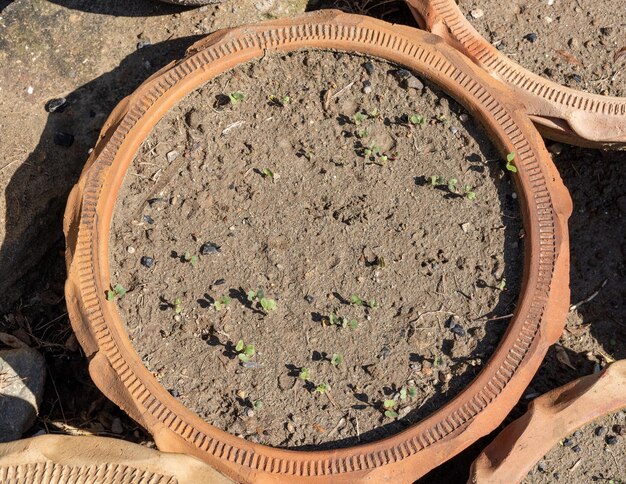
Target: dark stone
{"points": [[209, 248], [148, 219], [147, 261], [56, 105], [63, 139], [611, 439], [600, 431], [576, 449], [308, 298], [532, 37], [567, 443], [369, 68]]}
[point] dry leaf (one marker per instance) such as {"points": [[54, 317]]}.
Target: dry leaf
{"points": [[620, 55], [569, 57], [562, 357], [319, 428]]}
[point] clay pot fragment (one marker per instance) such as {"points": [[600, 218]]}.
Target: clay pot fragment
{"points": [[560, 113], [550, 418], [60, 458], [538, 321]]}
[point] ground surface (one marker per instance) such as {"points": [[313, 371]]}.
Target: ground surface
{"points": [[576, 44], [311, 235], [88, 54]]}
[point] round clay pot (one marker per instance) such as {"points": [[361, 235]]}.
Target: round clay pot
{"points": [[538, 321], [560, 113]]}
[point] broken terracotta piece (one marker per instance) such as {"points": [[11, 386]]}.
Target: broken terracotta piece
{"points": [[538, 321], [549, 419], [560, 113], [63, 459]]}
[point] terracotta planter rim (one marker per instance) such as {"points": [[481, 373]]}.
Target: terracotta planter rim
{"points": [[561, 113], [540, 314]]}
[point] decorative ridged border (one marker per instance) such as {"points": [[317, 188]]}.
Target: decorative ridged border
{"points": [[590, 119], [50, 472], [405, 456]]}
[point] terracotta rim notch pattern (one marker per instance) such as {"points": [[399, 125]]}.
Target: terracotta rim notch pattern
{"points": [[560, 113], [540, 315]]}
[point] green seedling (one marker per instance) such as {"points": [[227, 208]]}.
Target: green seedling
{"points": [[357, 301], [178, 306], [279, 101], [245, 351], [192, 259], [437, 361], [236, 97], [259, 297], [322, 388], [305, 374], [389, 406], [334, 320], [469, 192], [502, 284], [407, 392], [358, 118], [374, 113], [510, 162], [452, 184], [416, 119], [336, 359], [267, 173], [380, 262], [441, 118], [372, 150], [116, 292], [257, 405], [437, 181], [221, 303], [362, 134]]}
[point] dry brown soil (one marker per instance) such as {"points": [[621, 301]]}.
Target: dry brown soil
{"points": [[332, 222], [575, 45]]}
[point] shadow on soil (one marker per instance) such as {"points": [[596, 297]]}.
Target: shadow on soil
{"points": [[40, 316], [63, 148], [122, 8]]}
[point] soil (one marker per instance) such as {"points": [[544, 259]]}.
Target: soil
{"points": [[37, 313], [569, 461], [571, 43], [329, 222]]}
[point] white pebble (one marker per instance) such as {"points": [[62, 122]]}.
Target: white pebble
{"points": [[130, 249], [477, 13]]}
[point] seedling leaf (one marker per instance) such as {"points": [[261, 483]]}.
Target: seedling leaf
{"points": [[236, 97], [510, 165]]}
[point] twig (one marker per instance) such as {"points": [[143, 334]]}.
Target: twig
{"points": [[343, 89], [236, 124], [331, 399], [584, 301], [342, 421], [54, 385]]}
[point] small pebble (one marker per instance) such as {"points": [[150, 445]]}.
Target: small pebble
{"points": [[619, 429], [143, 43], [541, 467], [458, 330], [555, 148], [413, 82], [56, 105], [172, 155], [600, 431], [249, 412], [174, 393], [576, 449], [369, 68], [308, 298], [290, 428], [219, 282], [252, 365], [611, 440], [576, 78], [567, 443], [532, 37], [148, 219], [453, 130], [63, 139], [573, 43], [209, 248], [30, 90], [463, 117], [550, 2], [477, 13], [367, 87], [130, 249], [147, 261]]}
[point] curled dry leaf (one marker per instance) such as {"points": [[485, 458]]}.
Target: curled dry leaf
{"points": [[562, 357], [11, 341], [620, 55]]}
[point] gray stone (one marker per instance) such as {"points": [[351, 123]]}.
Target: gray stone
{"points": [[22, 378]]}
